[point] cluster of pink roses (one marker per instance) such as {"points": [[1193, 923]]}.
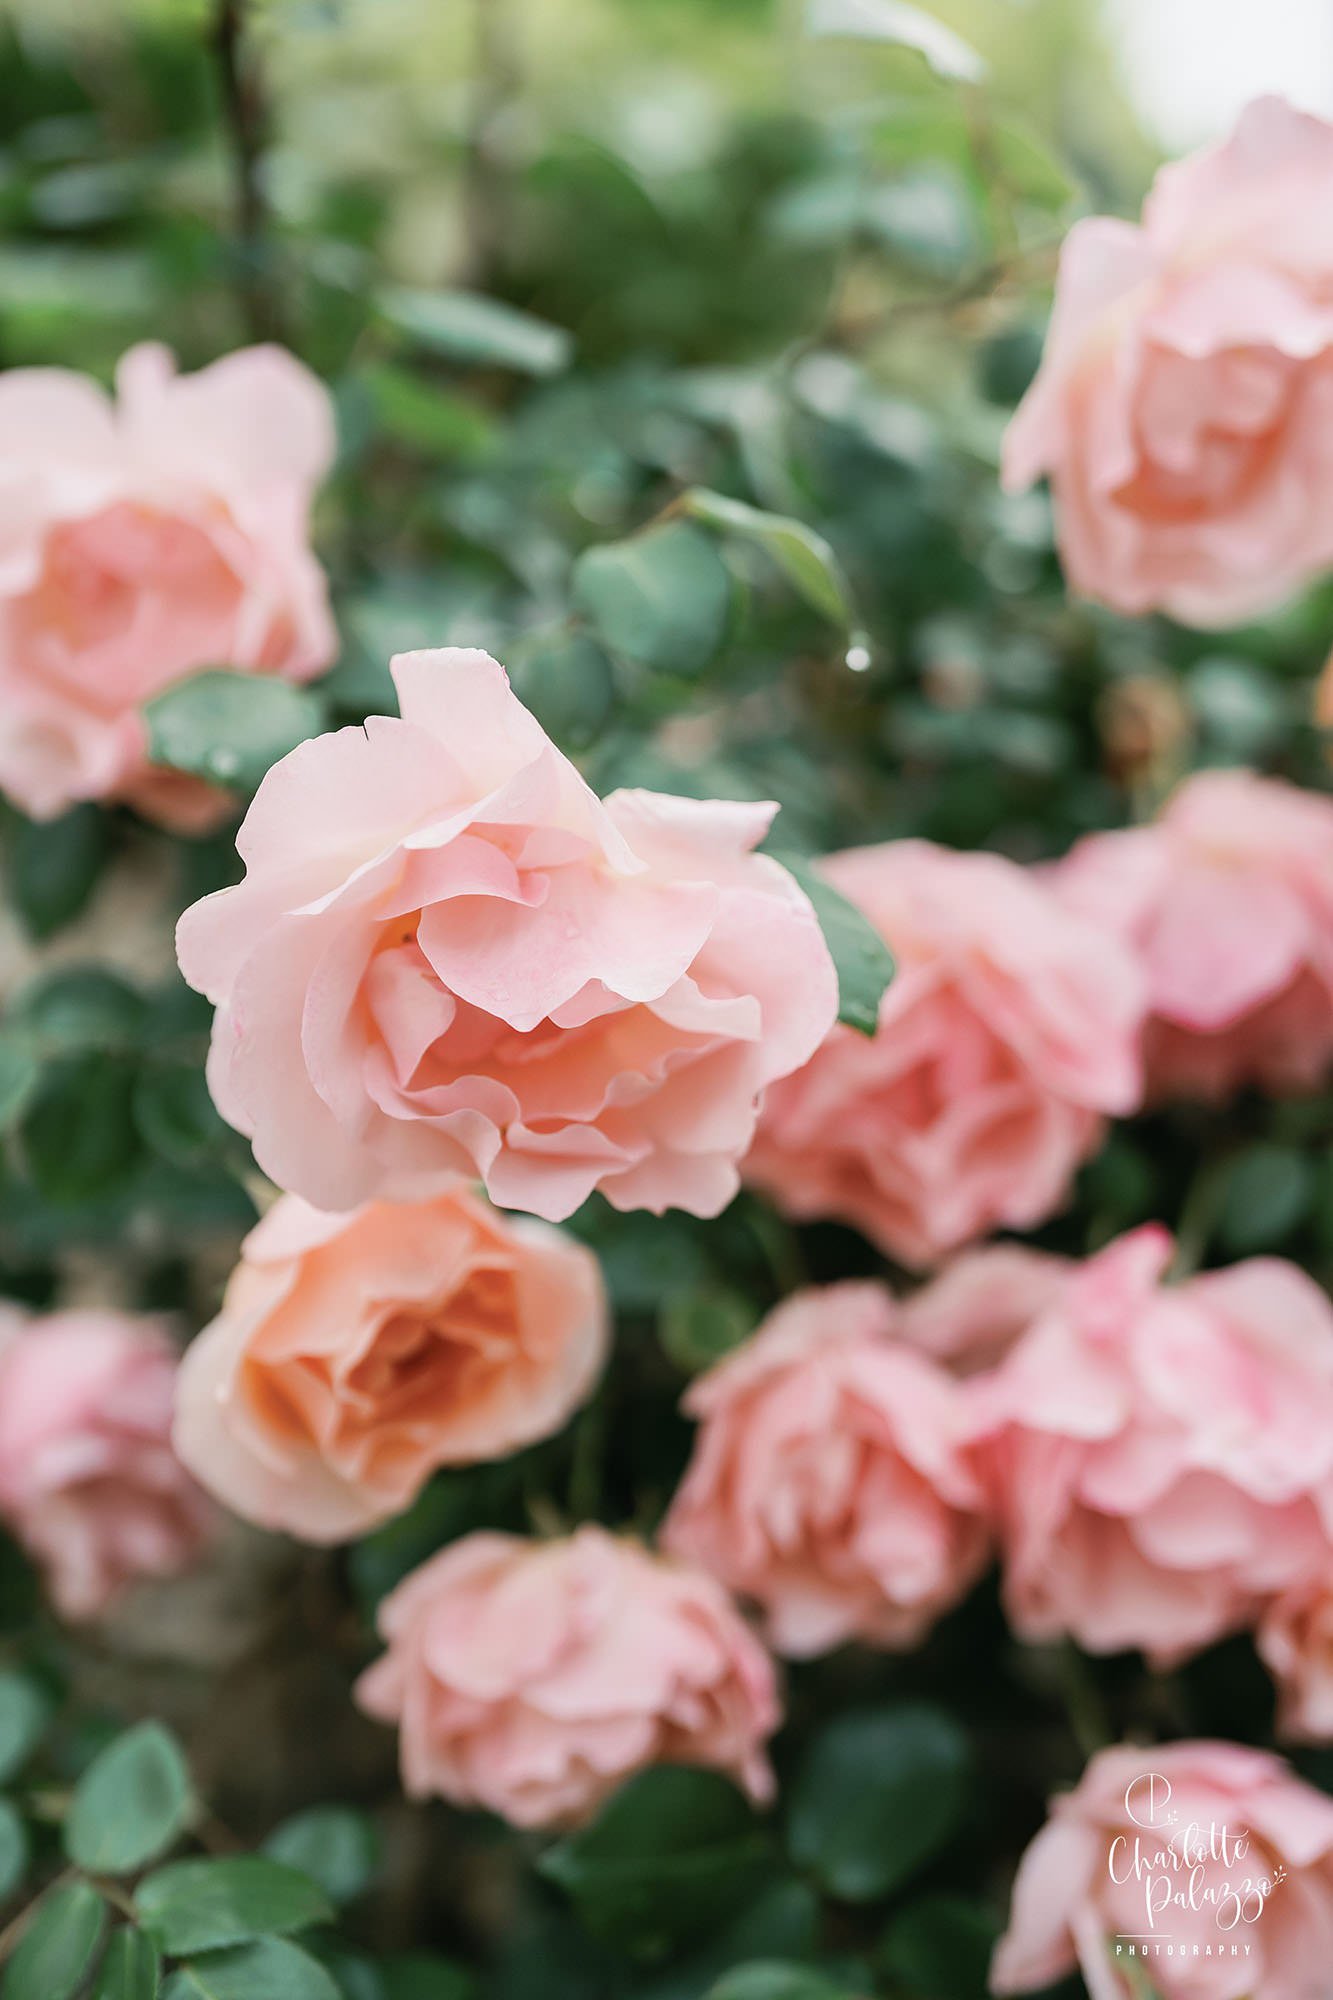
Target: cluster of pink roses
{"points": [[451, 963]]}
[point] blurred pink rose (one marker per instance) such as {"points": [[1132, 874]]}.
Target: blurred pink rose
{"points": [[1203, 1871], [969, 1316], [143, 540], [1159, 1457], [1227, 902], [448, 955], [1295, 1641], [89, 1483], [1184, 408], [533, 1678], [828, 1481], [356, 1354], [1010, 1032]]}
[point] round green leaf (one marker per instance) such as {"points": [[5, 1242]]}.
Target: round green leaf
{"points": [[272, 1969], [862, 960], [671, 1853], [130, 1804], [14, 1849], [333, 1845], [229, 728], [193, 1906], [78, 1134], [54, 866], [803, 556], [59, 1947], [878, 1793], [25, 1710], [131, 1968], [662, 598], [941, 1948], [176, 1115]]}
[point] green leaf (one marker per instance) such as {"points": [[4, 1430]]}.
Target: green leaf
{"points": [[896, 22], [272, 1969], [568, 682], [671, 1853], [1268, 1194], [941, 1948], [419, 1975], [130, 1804], [203, 1905], [804, 557], [863, 961], [25, 1711], [130, 1970], [176, 1115], [78, 1132], [771, 1979], [435, 421], [662, 598], [15, 1849], [469, 327], [59, 1946], [333, 1845], [54, 866], [697, 1328], [230, 728], [20, 1073], [81, 1007], [878, 1792]]}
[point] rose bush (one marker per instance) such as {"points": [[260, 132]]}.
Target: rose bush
{"points": [[674, 375]]}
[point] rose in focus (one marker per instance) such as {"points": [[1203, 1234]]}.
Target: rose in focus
{"points": [[448, 955], [356, 1354]]}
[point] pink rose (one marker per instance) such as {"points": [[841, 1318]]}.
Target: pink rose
{"points": [[1009, 1033], [1295, 1641], [356, 1354], [88, 1480], [533, 1678], [1201, 1871], [143, 540], [448, 955], [828, 1481], [1227, 902], [969, 1316], [1184, 408], [1159, 1457]]}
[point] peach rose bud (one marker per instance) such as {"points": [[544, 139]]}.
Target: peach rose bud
{"points": [[532, 1678], [1009, 1035], [1184, 407], [357, 1354], [828, 1482], [89, 1483], [449, 956], [145, 539]]}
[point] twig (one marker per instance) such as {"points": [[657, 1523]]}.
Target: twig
{"points": [[245, 115]]}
